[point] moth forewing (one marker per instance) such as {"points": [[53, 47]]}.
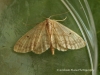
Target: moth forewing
{"points": [[33, 40], [49, 34]]}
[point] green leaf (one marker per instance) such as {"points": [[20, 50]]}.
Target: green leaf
{"points": [[19, 16]]}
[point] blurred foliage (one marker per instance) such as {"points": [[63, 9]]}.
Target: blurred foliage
{"points": [[19, 16], [95, 8]]}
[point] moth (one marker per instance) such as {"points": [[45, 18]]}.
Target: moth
{"points": [[49, 34]]}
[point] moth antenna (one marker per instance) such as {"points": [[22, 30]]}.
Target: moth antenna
{"points": [[57, 14], [62, 19]]}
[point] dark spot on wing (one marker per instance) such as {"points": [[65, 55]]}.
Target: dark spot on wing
{"points": [[70, 33], [27, 36]]}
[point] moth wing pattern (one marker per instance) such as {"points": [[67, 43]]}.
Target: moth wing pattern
{"points": [[64, 38], [35, 40]]}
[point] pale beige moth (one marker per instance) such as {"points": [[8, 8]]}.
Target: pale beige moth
{"points": [[49, 34]]}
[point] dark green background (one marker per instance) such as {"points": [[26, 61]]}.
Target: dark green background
{"points": [[95, 8], [19, 16]]}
